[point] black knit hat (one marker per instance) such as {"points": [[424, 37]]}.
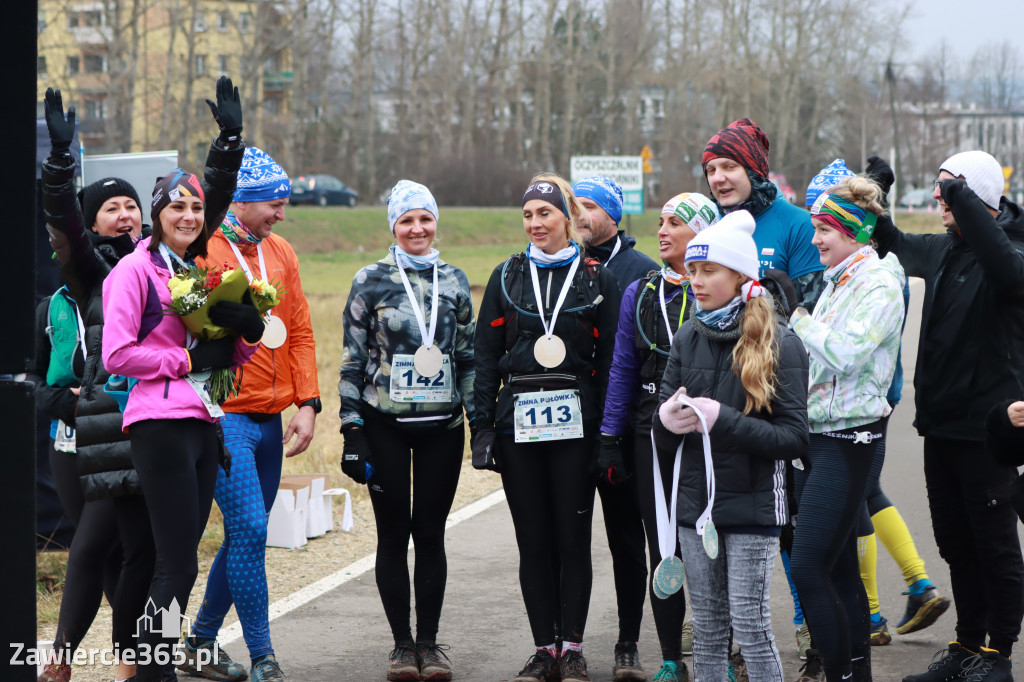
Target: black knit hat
{"points": [[93, 196]]}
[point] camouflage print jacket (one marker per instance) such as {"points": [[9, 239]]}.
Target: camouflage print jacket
{"points": [[852, 338], [380, 323]]}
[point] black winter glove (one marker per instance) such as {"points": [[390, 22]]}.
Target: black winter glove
{"points": [[882, 173], [227, 112], [61, 129], [788, 290], [355, 456], [483, 443], [208, 355], [611, 464], [241, 317], [953, 190]]}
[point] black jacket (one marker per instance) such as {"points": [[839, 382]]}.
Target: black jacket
{"points": [[629, 265], [103, 450], [971, 352], [750, 452], [504, 359]]}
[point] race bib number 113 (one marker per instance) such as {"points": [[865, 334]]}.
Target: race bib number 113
{"points": [[548, 415]]}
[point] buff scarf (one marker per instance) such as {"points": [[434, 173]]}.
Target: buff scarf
{"points": [[236, 232], [720, 318], [742, 141], [556, 259], [845, 216], [546, 191]]}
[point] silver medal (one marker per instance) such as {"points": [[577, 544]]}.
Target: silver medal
{"points": [[668, 577], [275, 333], [549, 351], [711, 540], [428, 360]]}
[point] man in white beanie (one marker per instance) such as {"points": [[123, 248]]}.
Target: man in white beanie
{"points": [[970, 359]]}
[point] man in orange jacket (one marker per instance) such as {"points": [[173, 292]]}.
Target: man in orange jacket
{"points": [[281, 373]]}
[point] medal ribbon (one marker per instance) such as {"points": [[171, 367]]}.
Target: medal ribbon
{"points": [[167, 254], [664, 311], [549, 329], [245, 266], [426, 336], [615, 250], [709, 470], [666, 518]]}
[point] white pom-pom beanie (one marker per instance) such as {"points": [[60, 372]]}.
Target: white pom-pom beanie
{"points": [[729, 242]]}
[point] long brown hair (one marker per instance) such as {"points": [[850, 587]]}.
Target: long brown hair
{"points": [[754, 355]]}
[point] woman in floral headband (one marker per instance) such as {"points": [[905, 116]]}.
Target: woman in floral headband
{"points": [[852, 337]]}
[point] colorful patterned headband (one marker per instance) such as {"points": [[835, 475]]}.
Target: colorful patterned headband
{"points": [[845, 216]]}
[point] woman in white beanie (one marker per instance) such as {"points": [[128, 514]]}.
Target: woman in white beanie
{"points": [[652, 309], [742, 376], [406, 376]]}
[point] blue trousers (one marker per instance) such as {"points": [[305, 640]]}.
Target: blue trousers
{"points": [[238, 574]]}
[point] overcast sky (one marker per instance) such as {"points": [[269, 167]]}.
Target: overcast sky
{"points": [[965, 24]]}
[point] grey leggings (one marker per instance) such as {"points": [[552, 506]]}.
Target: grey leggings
{"points": [[733, 589]]}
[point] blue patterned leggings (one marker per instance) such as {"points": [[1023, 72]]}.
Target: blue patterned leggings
{"points": [[238, 574]]}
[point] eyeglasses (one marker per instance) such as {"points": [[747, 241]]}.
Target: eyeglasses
{"points": [[936, 182]]}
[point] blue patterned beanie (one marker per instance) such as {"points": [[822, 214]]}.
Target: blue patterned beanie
{"points": [[604, 192], [407, 196], [830, 176], [261, 178]]}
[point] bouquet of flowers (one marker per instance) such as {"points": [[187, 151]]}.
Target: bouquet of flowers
{"points": [[196, 290]]}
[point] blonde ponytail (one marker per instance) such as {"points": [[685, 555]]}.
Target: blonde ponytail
{"points": [[754, 356]]}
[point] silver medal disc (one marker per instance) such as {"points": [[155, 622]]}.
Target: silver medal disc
{"points": [[428, 361], [275, 333], [711, 540], [668, 577], [549, 351]]}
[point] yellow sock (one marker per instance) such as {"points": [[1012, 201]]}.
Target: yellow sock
{"points": [[867, 557], [894, 534]]}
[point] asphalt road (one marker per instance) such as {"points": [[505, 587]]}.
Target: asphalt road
{"points": [[343, 635]]}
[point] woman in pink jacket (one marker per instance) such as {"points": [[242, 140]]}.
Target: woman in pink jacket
{"points": [[171, 421]]}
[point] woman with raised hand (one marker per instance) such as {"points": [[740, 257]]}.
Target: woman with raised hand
{"points": [[170, 419], [543, 351], [406, 377], [653, 308], [734, 387], [90, 457], [853, 338]]}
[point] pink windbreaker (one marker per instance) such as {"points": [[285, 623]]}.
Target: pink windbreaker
{"points": [[141, 341]]}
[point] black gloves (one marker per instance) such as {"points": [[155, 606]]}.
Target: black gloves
{"points": [[787, 287], [241, 317], [227, 112], [611, 464], [881, 172], [355, 456], [483, 443], [209, 355], [952, 190], [61, 129]]}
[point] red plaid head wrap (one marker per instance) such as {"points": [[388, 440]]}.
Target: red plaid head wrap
{"points": [[742, 141]]}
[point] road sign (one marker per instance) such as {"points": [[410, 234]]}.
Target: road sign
{"points": [[645, 153], [628, 171]]}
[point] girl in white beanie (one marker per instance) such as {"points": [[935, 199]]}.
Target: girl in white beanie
{"points": [[736, 383]]}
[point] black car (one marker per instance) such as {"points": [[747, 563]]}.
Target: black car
{"points": [[324, 190]]}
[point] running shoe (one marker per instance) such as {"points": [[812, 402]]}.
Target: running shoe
{"points": [[573, 667], [803, 641], [541, 667], [405, 664], [205, 658], [434, 662], [55, 672], [672, 671], [814, 669], [880, 632], [688, 638], [266, 669], [947, 665], [922, 610], [989, 666], [627, 663]]}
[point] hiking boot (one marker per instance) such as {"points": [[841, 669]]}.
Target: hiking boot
{"points": [[434, 662], [688, 638], [990, 666], [948, 664], [738, 667], [573, 667], [205, 658], [540, 668], [266, 669], [880, 633], [922, 610], [55, 672], [672, 671], [405, 664], [814, 669], [627, 663], [803, 641]]}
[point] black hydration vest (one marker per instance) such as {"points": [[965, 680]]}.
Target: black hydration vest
{"points": [[651, 339]]}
